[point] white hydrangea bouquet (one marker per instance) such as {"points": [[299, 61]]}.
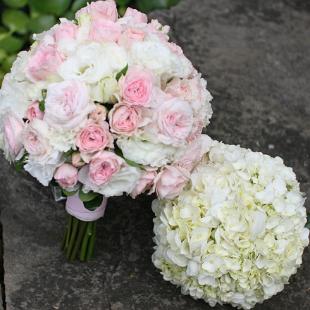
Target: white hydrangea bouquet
{"points": [[103, 106], [236, 233]]}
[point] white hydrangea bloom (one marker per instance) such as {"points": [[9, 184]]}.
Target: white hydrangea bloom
{"points": [[236, 233]]}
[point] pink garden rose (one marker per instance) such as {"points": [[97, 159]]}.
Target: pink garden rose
{"points": [[12, 129], [124, 119], [136, 87], [66, 176], [103, 10], [135, 16], [35, 139], [146, 182], [194, 152], [170, 182], [94, 137], [77, 160], [99, 115], [34, 111], [103, 166], [43, 63], [105, 30], [66, 30], [174, 121], [67, 105], [130, 36]]}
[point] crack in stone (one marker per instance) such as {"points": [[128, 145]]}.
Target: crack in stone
{"points": [[2, 285]]}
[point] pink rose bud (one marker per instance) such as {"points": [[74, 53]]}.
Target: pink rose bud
{"points": [[99, 115], [104, 10], [145, 183], [34, 111], [66, 176], [43, 62], [103, 166], [136, 87], [77, 160], [130, 36], [94, 137], [124, 119], [135, 16], [12, 129], [170, 182]]}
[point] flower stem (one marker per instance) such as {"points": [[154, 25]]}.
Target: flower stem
{"points": [[91, 244], [85, 242], [75, 223], [81, 232]]}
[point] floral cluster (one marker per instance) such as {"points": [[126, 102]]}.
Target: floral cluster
{"points": [[236, 233], [105, 104]]}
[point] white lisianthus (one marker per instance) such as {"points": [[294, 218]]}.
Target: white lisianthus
{"points": [[147, 153], [104, 90], [236, 233], [87, 65]]}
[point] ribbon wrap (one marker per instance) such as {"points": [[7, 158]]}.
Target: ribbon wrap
{"points": [[75, 207]]}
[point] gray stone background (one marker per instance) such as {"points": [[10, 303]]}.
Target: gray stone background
{"points": [[255, 55]]}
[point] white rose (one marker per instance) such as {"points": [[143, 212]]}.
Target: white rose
{"points": [[147, 153]]}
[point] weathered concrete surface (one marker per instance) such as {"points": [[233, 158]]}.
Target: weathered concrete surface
{"points": [[255, 55]]}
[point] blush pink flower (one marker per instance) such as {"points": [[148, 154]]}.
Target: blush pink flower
{"points": [[94, 137], [66, 176], [145, 183], [34, 111], [103, 10], [105, 30], [175, 121], [135, 16], [103, 166], [194, 152], [136, 87], [67, 105], [12, 130], [130, 36], [43, 63], [65, 31], [170, 182], [124, 119], [99, 115]]}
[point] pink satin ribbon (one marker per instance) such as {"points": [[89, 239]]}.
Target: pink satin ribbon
{"points": [[75, 207]]}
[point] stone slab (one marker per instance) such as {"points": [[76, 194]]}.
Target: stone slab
{"points": [[255, 55]]}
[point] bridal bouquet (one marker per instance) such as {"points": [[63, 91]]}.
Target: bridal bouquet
{"points": [[236, 233], [103, 106]]}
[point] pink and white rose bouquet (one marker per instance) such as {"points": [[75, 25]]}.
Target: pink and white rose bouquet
{"points": [[104, 106]]}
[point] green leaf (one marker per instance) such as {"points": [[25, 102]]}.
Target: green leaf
{"points": [[41, 23], [42, 106], [121, 73], [85, 197], [19, 164], [149, 5], [78, 4], [93, 204], [122, 2], [56, 7], [16, 21], [10, 43], [67, 193], [70, 15], [16, 4], [8, 62], [3, 55]]}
